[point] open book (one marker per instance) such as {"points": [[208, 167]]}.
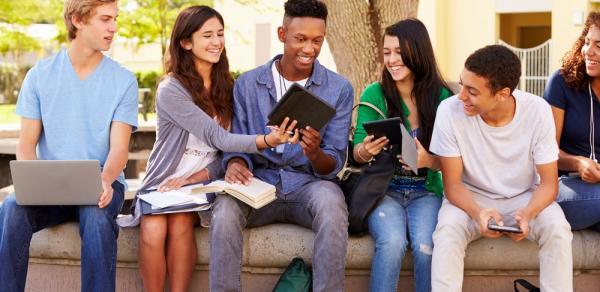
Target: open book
{"points": [[256, 194]]}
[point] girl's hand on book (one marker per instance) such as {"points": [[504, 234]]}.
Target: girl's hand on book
{"points": [[284, 133], [171, 184]]}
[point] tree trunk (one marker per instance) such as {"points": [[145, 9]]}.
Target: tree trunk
{"points": [[355, 35], [162, 12]]}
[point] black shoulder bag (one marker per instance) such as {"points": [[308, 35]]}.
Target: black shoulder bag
{"points": [[365, 185]]}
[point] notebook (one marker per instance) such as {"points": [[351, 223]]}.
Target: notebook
{"points": [[181, 200], [301, 105], [410, 153], [256, 194]]}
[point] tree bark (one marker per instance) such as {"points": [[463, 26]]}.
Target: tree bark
{"points": [[355, 35]]}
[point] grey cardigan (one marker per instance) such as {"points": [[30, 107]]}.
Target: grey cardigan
{"points": [[177, 118]]}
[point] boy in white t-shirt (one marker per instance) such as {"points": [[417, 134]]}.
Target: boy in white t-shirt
{"points": [[498, 159]]}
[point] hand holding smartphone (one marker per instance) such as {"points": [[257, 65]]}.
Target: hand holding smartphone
{"points": [[506, 229]]}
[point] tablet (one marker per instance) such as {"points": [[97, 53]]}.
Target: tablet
{"points": [[301, 105], [388, 127]]}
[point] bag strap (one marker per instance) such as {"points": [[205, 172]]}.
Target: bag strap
{"points": [[353, 128], [530, 287], [365, 103]]}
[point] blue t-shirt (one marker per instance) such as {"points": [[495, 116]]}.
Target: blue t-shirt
{"points": [[77, 114], [575, 137]]}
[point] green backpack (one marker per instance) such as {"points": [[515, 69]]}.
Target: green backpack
{"points": [[295, 278]]}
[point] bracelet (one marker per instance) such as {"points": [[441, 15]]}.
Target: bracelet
{"points": [[267, 143], [360, 155]]}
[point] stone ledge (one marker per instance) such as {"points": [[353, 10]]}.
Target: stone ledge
{"points": [[275, 245]]}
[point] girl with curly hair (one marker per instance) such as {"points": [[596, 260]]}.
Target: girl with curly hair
{"points": [[573, 94]]}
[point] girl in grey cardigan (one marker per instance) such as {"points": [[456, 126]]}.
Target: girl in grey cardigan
{"points": [[194, 107]]}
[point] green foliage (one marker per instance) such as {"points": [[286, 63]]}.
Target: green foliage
{"points": [[21, 12], [147, 80], [16, 43], [11, 78], [16, 16], [25, 12], [147, 21], [236, 74]]}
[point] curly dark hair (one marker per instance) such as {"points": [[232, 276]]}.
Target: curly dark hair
{"points": [[305, 8], [498, 64], [573, 63]]}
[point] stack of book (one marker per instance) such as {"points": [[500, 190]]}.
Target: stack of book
{"points": [[182, 200]]}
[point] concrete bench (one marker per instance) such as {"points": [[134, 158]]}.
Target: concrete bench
{"points": [[490, 265]]}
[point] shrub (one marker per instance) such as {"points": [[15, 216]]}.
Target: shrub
{"points": [[149, 80], [11, 78]]}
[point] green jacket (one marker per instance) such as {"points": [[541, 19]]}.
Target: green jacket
{"points": [[374, 94]]}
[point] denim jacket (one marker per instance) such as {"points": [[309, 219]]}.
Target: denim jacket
{"points": [[253, 98]]}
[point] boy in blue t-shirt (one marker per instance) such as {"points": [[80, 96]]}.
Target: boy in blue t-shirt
{"points": [[75, 105]]}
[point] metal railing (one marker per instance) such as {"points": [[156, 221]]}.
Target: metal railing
{"points": [[535, 66]]}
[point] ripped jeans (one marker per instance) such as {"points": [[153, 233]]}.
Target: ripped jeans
{"points": [[401, 218]]}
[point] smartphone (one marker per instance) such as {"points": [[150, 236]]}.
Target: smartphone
{"points": [[509, 229]]}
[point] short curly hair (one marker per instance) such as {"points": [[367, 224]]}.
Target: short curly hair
{"points": [[573, 63], [305, 8], [498, 64]]}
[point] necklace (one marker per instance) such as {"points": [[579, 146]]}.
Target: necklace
{"points": [[592, 130], [282, 86]]}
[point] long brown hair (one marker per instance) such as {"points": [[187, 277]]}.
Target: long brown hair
{"points": [[179, 64], [573, 63], [417, 54]]}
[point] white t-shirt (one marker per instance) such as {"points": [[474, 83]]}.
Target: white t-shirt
{"points": [[279, 83], [498, 162]]}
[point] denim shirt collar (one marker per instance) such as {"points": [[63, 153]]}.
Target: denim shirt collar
{"points": [[265, 76]]}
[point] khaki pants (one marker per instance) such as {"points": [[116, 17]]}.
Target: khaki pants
{"points": [[455, 230]]}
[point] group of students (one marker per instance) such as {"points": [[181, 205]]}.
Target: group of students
{"points": [[500, 151]]}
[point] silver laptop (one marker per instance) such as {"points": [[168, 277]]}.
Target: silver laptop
{"points": [[56, 182]]}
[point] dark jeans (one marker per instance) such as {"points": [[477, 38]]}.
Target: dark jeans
{"points": [[580, 201], [97, 228], [317, 205]]}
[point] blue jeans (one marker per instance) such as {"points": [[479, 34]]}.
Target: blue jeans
{"points": [[580, 202], [318, 205], [412, 213], [97, 228]]}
